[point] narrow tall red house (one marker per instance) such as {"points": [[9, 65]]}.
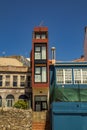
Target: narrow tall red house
{"points": [[40, 69]]}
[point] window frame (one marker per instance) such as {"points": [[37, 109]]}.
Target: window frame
{"points": [[38, 76], [40, 52], [61, 76]]}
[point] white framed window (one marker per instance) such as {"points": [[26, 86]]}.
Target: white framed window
{"points": [[68, 76], [77, 76], [59, 76], [84, 75], [64, 76]]}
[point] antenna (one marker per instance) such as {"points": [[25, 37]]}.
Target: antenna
{"points": [[41, 23]]}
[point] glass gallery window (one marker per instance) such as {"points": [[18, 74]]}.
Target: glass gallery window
{"points": [[64, 76], [40, 74], [84, 75], [80, 76], [40, 52], [77, 75]]}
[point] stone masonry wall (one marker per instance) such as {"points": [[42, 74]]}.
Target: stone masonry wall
{"points": [[15, 119]]}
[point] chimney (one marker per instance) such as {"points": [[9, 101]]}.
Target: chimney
{"points": [[53, 55], [85, 45]]}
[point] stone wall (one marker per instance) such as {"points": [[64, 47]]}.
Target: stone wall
{"points": [[15, 119]]}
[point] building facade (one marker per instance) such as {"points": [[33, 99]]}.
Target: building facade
{"points": [[15, 81], [40, 69], [68, 81]]}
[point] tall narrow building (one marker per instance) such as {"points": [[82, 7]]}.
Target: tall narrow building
{"points": [[85, 45], [40, 69]]}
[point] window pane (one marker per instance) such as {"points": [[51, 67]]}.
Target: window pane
{"points": [[44, 77], [84, 74], [37, 48], [14, 78], [37, 70], [37, 36], [37, 55], [77, 76], [43, 36], [68, 76], [37, 78], [0, 77], [7, 84], [59, 76], [0, 83], [22, 78], [43, 52], [14, 84]]}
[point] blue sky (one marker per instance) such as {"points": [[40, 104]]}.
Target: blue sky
{"points": [[65, 20]]}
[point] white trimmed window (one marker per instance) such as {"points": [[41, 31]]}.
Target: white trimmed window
{"points": [[68, 76], [64, 76], [77, 76], [84, 74]]}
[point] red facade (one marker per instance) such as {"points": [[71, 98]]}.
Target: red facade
{"points": [[40, 42]]}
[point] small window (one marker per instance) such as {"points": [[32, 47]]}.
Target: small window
{"points": [[15, 80], [1, 80], [10, 100], [7, 80], [37, 36], [43, 36], [29, 81], [22, 81]]}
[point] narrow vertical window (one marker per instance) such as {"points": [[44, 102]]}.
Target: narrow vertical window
{"points": [[22, 81], [59, 76], [15, 80], [1, 77], [84, 75], [77, 76], [44, 52], [7, 80]]}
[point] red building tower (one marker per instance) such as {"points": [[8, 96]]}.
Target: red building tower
{"points": [[40, 69]]}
